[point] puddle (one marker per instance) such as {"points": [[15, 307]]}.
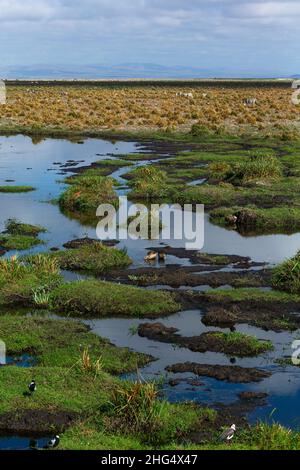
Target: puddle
{"points": [[25, 360], [22, 443]]}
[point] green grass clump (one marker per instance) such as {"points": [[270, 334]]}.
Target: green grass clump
{"points": [[23, 283], [148, 183], [14, 227], [94, 258], [19, 242], [16, 189], [242, 345], [97, 299], [259, 166], [254, 218], [137, 410], [86, 193], [286, 276], [243, 294]]}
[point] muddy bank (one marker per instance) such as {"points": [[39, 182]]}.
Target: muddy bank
{"points": [[252, 395], [212, 341], [79, 242], [225, 312], [176, 276], [197, 257], [233, 374], [36, 422]]}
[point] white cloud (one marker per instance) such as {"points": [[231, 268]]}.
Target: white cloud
{"points": [[146, 30], [267, 9]]}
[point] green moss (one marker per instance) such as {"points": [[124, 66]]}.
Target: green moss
{"points": [[19, 242], [253, 294], [96, 299], [16, 189]]}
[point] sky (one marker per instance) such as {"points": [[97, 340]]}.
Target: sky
{"points": [[215, 37]]}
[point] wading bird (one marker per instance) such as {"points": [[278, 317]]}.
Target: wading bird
{"points": [[228, 434]]}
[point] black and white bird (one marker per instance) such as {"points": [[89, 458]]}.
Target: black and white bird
{"points": [[32, 386], [53, 443], [228, 434]]}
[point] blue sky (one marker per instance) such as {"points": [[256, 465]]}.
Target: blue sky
{"points": [[218, 37]]}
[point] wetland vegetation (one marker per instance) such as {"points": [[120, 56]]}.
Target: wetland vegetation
{"points": [[53, 293]]}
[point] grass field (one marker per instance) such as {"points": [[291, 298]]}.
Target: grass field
{"points": [[171, 107]]}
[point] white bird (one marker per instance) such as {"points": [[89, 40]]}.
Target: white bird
{"points": [[228, 434]]}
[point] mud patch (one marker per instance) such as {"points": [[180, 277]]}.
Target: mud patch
{"points": [[269, 315], [79, 242], [36, 422], [212, 341], [197, 257], [233, 374], [252, 395], [177, 276]]}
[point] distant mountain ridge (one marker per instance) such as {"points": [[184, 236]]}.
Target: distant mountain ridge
{"points": [[103, 71], [120, 71]]}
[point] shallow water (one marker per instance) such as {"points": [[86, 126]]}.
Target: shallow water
{"points": [[22, 443], [41, 165]]}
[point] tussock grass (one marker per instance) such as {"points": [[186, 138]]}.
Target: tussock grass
{"points": [[259, 166], [94, 258], [86, 193], [286, 276], [14, 227], [149, 182]]}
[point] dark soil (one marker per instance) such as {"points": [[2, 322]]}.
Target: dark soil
{"points": [[172, 276], [275, 315], [197, 257], [211, 341], [29, 422], [73, 244], [252, 395], [233, 374]]}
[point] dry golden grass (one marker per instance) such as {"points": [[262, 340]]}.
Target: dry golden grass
{"points": [[149, 108]]}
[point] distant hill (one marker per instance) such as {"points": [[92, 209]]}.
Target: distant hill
{"points": [[103, 71]]}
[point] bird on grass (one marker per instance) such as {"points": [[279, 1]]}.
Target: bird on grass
{"points": [[31, 389], [53, 443], [228, 434], [32, 386]]}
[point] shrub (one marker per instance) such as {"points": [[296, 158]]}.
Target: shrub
{"points": [[286, 276], [86, 193], [259, 166]]}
